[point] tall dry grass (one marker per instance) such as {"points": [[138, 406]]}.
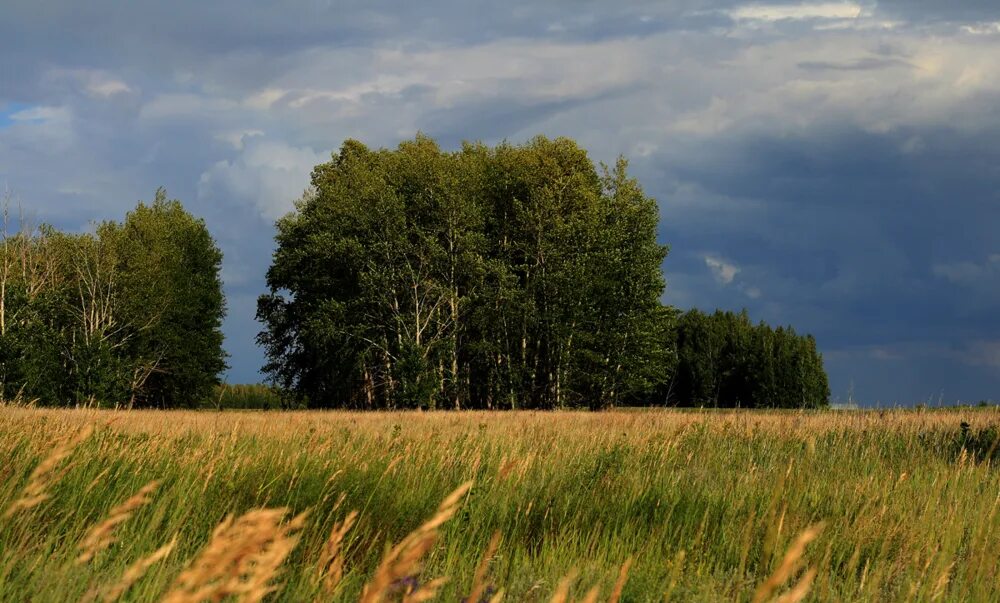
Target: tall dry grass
{"points": [[241, 560], [403, 561], [332, 558], [133, 574], [621, 506], [48, 472], [101, 536]]}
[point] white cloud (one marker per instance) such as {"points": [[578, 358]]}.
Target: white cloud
{"points": [[238, 138], [40, 114], [527, 70], [168, 106], [95, 83], [714, 118], [649, 89], [263, 99], [108, 88], [781, 12], [982, 29], [268, 175], [968, 273], [876, 81], [41, 131], [723, 271]]}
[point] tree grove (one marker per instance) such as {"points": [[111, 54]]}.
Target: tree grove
{"points": [[129, 316], [517, 276], [505, 277]]}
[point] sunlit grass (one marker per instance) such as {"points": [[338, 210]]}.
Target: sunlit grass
{"points": [[898, 505]]}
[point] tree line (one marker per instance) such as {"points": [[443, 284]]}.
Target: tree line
{"points": [[724, 360], [506, 277], [128, 315], [517, 276]]}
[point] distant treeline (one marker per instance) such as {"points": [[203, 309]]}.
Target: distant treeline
{"points": [[129, 315], [504, 277], [724, 360], [255, 396]]}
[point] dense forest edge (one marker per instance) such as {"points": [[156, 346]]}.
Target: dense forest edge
{"points": [[506, 277]]}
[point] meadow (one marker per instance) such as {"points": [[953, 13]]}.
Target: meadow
{"points": [[645, 505]]}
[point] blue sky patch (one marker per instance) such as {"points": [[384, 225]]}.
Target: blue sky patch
{"points": [[6, 111]]}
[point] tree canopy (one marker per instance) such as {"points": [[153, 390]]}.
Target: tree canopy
{"points": [[505, 277], [128, 315]]}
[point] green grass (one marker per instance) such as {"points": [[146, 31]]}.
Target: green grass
{"points": [[705, 503], [244, 397]]}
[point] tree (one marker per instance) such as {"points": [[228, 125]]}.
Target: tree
{"points": [[514, 276], [33, 295], [129, 315], [173, 303]]}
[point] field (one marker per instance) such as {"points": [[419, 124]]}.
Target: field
{"points": [[639, 505]]}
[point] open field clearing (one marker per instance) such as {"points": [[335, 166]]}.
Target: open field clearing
{"points": [[639, 505]]}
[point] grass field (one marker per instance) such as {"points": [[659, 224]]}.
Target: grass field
{"points": [[683, 506]]}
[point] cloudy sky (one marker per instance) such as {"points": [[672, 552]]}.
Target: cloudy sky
{"points": [[833, 165]]}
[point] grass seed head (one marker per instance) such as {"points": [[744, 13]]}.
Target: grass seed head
{"points": [[136, 571], [479, 579], [404, 560], [331, 559], [48, 473], [102, 535], [241, 560], [789, 565]]}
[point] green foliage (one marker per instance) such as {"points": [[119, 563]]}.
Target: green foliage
{"points": [[245, 397], [129, 315], [506, 277], [724, 360]]}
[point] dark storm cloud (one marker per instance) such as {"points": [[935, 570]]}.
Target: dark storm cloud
{"points": [[859, 242]]}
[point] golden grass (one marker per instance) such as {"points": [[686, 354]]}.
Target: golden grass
{"points": [[479, 583], [133, 574], [403, 560], [561, 595], [331, 560], [753, 506], [101, 536], [616, 592], [48, 472], [790, 563], [803, 424], [242, 558]]}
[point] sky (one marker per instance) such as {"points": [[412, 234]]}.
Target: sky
{"points": [[830, 165]]}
